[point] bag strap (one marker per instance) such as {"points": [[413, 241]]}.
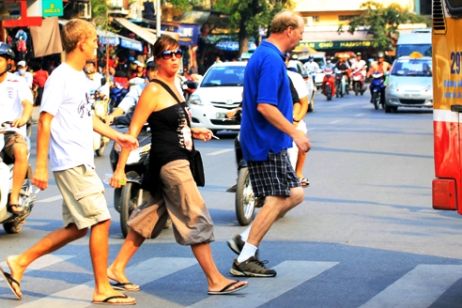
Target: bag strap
{"points": [[168, 89]]}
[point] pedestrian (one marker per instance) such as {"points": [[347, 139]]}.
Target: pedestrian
{"points": [[299, 93], [267, 122], [38, 83], [16, 103], [169, 190], [23, 72], [65, 130]]}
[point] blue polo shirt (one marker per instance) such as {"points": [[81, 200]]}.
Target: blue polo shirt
{"points": [[265, 82]]}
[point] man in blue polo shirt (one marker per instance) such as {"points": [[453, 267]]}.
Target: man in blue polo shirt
{"points": [[266, 133]]}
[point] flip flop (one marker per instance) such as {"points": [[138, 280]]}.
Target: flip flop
{"points": [[304, 182], [11, 282], [113, 300], [228, 288], [125, 286]]}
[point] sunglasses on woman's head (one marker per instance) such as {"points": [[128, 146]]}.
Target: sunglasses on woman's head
{"points": [[168, 54]]}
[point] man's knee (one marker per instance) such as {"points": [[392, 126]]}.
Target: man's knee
{"points": [[296, 196], [20, 152]]}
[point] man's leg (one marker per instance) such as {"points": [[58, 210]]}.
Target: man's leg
{"points": [[273, 208], [51, 242], [19, 171], [215, 280], [99, 250]]}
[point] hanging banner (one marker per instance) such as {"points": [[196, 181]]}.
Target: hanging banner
{"points": [[52, 8]]}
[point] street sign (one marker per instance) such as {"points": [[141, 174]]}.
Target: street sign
{"points": [[52, 8]]}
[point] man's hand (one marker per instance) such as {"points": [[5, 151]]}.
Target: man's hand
{"points": [[127, 141], [40, 178], [19, 122], [302, 141]]}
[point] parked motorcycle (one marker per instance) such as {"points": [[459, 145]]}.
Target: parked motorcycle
{"points": [[359, 85], [129, 197], [100, 108], [245, 200], [328, 83], [13, 223], [377, 88]]}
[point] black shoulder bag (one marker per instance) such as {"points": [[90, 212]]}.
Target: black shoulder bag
{"points": [[195, 158]]}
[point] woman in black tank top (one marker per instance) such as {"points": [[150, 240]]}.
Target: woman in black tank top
{"points": [[170, 179]]}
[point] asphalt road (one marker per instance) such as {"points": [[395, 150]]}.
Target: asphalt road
{"points": [[365, 235]]}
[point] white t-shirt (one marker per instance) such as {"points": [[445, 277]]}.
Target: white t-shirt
{"points": [[66, 97], [300, 85], [13, 90]]}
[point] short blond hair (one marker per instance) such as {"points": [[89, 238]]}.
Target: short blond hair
{"points": [[283, 20], [75, 31]]}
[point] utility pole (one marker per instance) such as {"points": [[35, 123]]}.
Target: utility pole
{"points": [[158, 17]]}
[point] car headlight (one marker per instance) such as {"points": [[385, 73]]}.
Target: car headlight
{"points": [[195, 100]]}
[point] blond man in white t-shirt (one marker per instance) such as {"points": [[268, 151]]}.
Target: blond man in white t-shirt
{"points": [[65, 133], [16, 103]]}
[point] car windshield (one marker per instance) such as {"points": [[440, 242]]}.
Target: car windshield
{"points": [[412, 67], [224, 76]]}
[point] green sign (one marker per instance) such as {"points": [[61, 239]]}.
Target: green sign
{"points": [[52, 8], [336, 44]]}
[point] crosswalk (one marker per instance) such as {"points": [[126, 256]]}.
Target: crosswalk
{"points": [[419, 287]]}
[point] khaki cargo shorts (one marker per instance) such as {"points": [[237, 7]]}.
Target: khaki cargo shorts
{"points": [[181, 201], [84, 203], [12, 138]]}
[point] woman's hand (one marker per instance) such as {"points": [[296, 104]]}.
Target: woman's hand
{"points": [[201, 133], [118, 179]]}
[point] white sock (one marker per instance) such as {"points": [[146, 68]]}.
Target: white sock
{"points": [[245, 234], [248, 251]]}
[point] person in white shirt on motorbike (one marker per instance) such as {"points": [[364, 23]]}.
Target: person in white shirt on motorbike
{"points": [[16, 102]]}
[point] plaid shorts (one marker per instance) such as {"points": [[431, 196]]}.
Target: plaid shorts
{"points": [[273, 177]]}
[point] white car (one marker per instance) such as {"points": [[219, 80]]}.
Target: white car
{"points": [[219, 92], [409, 84]]}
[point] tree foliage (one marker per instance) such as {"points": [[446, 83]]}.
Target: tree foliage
{"points": [[382, 22], [248, 17]]}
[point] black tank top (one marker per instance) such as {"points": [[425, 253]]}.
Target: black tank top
{"points": [[171, 139]]}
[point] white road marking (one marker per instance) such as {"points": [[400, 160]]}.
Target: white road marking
{"points": [[334, 122], [418, 288], [141, 273], [260, 291], [50, 199], [219, 152], [359, 115], [42, 262]]}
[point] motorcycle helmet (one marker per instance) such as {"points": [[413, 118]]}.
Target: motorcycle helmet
{"points": [[380, 54], [6, 51]]}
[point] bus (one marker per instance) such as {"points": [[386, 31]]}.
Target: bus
{"points": [[417, 40], [447, 104]]}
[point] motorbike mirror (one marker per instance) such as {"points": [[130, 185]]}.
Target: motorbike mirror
{"points": [[103, 81]]}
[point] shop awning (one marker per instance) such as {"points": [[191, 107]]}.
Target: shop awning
{"points": [[143, 33]]}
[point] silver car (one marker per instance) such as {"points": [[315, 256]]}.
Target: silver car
{"points": [[409, 84], [219, 92]]}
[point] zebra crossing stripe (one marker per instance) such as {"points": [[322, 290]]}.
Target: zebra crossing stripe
{"points": [[43, 262], [418, 288], [262, 290], [141, 273]]}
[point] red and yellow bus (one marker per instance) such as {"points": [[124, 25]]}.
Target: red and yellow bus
{"points": [[447, 104]]}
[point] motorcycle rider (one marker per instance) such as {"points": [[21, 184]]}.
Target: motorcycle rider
{"points": [[128, 103], [311, 67], [16, 102], [96, 79], [380, 66], [359, 64], [343, 67]]}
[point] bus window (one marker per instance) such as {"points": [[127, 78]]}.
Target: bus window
{"points": [[454, 7]]}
